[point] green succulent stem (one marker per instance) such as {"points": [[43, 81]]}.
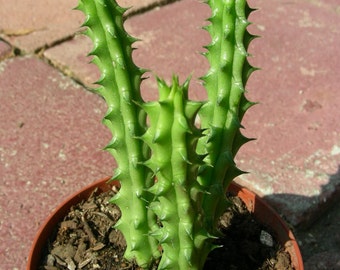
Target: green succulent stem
{"points": [[173, 174], [172, 138], [221, 115], [120, 87]]}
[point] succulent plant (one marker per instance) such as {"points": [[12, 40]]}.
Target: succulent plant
{"points": [[173, 173]]}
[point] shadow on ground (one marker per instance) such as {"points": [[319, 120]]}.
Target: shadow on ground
{"points": [[319, 235]]}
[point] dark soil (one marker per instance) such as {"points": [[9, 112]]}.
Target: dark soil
{"points": [[87, 240]]}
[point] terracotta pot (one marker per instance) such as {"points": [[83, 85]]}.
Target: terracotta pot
{"points": [[262, 211], [266, 215]]}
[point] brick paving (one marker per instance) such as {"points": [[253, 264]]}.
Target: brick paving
{"points": [[50, 128]]}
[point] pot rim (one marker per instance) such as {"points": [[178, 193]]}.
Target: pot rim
{"points": [[266, 215]]}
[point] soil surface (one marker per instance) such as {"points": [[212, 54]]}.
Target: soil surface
{"points": [[86, 240]]}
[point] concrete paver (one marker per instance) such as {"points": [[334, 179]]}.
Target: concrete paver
{"points": [[45, 22], [37, 23], [158, 50], [320, 244], [50, 127], [138, 5], [295, 161], [51, 140], [71, 57], [324, 261]]}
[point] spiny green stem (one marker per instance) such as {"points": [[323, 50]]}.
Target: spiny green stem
{"points": [[172, 138], [170, 194], [221, 115], [120, 87]]}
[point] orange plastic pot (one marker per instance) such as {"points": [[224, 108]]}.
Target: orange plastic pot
{"points": [[262, 211]]}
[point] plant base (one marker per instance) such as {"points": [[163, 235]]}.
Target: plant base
{"points": [[86, 239]]}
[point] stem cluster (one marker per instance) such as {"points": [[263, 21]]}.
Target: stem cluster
{"points": [[173, 174]]}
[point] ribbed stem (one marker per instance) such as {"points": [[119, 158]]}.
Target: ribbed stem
{"points": [[120, 87], [171, 195], [221, 115], [172, 137]]}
